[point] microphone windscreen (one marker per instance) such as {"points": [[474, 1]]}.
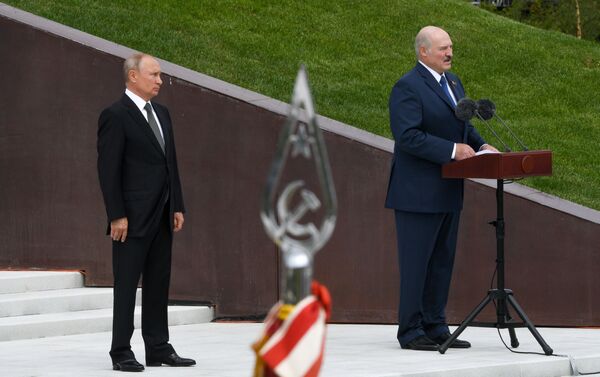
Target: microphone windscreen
{"points": [[486, 109], [465, 109]]}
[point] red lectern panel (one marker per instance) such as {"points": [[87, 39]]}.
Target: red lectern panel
{"points": [[501, 165]]}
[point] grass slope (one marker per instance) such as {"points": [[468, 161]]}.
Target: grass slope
{"points": [[544, 83]]}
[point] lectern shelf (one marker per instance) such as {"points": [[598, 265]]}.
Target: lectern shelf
{"points": [[509, 165]]}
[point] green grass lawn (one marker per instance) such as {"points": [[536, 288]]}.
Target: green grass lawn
{"points": [[544, 84]]}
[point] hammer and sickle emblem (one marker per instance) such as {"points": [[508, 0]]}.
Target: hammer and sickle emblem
{"points": [[289, 220]]}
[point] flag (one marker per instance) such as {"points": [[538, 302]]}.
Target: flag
{"points": [[293, 339]]}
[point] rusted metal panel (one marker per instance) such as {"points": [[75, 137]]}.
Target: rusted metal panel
{"points": [[50, 193]]}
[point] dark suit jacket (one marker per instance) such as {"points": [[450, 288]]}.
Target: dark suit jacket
{"points": [[136, 177], [425, 129]]}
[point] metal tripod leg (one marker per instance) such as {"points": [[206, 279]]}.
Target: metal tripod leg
{"points": [[442, 349], [514, 342], [530, 326], [503, 316]]}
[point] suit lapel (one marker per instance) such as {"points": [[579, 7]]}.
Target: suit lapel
{"points": [[434, 85], [459, 93], [456, 89], [139, 119]]}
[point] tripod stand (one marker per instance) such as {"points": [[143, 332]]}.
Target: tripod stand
{"points": [[501, 295]]}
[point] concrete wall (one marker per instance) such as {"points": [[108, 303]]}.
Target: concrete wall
{"points": [[56, 81]]}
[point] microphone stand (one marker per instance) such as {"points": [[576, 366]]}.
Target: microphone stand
{"points": [[484, 121], [511, 132], [502, 295]]}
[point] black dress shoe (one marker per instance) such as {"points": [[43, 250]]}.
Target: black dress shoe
{"points": [[129, 365], [456, 344], [421, 343], [173, 360]]}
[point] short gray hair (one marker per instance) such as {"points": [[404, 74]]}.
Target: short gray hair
{"points": [[422, 40], [132, 63]]}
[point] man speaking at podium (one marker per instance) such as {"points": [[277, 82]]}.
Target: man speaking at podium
{"points": [[427, 207]]}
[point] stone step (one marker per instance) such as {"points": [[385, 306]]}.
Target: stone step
{"points": [[88, 321], [27, 281], [39, 304], [56, 301]]}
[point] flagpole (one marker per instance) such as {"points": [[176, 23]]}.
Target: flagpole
{"points": [[296, 325], [299, 241]]}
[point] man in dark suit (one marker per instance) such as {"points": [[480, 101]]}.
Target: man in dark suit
{"points": [[137, 168], [427, 207]]}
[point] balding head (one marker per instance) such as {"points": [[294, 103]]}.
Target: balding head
{"points": [[133, 63], [423, 38], [433, 47], [142, 75]]}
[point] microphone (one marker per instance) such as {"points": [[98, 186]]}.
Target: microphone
{"points": [[467, 108], [487, 110]]}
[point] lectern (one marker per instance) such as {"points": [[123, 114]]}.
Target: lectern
{"points": [[500, 166]]}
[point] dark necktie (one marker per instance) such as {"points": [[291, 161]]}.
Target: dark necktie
{"points": [[154, 125], [444, 85]]}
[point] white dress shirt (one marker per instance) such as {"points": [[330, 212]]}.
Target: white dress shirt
{"points": [[140, 103], [437, 78]]}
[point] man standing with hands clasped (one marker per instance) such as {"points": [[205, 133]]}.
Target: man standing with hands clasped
{"points": [[137, 168], [427, 207]]}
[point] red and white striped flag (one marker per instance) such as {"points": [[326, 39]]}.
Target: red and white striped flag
{"points": [[293, 341]]}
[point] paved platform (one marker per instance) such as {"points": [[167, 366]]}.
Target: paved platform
{"points": [[223, 350]]}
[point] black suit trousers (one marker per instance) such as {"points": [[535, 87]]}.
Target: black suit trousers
{"points": [[150, 257]]}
